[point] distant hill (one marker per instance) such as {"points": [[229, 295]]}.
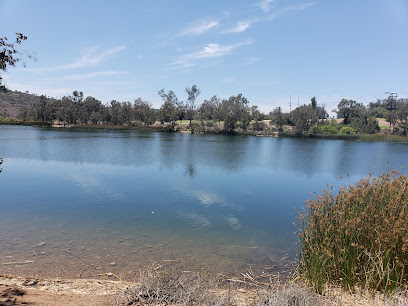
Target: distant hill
{"points": [[13, 102]]}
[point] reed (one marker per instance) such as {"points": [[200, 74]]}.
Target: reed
{"points": [[357, 236]]}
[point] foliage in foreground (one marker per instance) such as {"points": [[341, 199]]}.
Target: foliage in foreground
{"points": [[173, 287], [358, 237]]}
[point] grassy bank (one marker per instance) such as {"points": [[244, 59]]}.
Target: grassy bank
{"points": [[12, 121], [357, 238]]}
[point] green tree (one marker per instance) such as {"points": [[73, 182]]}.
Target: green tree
{"points": [[126, 113], [402, 116], [233, 110], [192, 93], [143, 111], [208, 108], [9, 55], [90, 110], [277, 118], [304, 117], [115, 112], [42, 110], [348, 109], [313, 102], [170, 110]]}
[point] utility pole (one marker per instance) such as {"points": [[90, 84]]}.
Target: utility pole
{"points": [[290, 104], [298, 101]]}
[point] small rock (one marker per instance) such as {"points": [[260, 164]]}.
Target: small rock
{"points": [[42, 243], [113, 263]]}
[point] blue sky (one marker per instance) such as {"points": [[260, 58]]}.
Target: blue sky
{"points": [[265, 49]]}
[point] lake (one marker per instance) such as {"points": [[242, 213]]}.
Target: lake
{"points": [[79, 203]]}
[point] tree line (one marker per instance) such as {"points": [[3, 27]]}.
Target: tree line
{"points": [[234, 112], [227, 115]]}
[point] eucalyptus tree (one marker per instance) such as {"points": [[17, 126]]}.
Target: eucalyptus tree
{"points": [[208, 108], [233, 110], [348, 109], [114, 112], [303, 117], [192, 93], [172, 109], [126, 113], [89, 110], [143, 111], [277, 118]]}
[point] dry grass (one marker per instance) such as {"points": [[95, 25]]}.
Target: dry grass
{"points": [[172, 286]]}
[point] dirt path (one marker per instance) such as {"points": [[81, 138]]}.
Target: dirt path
{"points": [[34, 291]]}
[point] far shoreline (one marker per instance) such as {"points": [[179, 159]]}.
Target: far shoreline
{"points": [[162, 128]]}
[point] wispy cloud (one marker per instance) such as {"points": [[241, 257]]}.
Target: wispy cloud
{"points": [[265, 5], [215, 50], [200, 27], [212, 50], [299, 7], [91, 58], [93, 75], [241, 26]]}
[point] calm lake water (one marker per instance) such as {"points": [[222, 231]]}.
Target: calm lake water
{"points": [[83, 202]]}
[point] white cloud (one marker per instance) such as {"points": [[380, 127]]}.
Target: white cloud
{"points": [[265, 5], [211, 50], [200, 27], [215, 50], [299, 7], [93, 75], [91, 58], [240, 27]]}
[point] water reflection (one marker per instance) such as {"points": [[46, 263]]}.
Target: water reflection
{"points": [[215, 200]]}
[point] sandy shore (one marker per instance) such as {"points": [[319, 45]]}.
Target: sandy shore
{"points": [[36, 291]]}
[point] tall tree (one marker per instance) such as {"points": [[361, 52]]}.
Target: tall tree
{"points": [[304, 117], [313, 102], [277, 118], [192, 93], [171, 109], [347, 109], [208, 108], [233, 110], [143, 111]]}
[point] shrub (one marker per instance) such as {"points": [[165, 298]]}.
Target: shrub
{"points": [[258, 126], [358, 237], [173, 287], [209, 123], [329, 129], [195, 127], [347, 130], [323, 129], [316, 129]]}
